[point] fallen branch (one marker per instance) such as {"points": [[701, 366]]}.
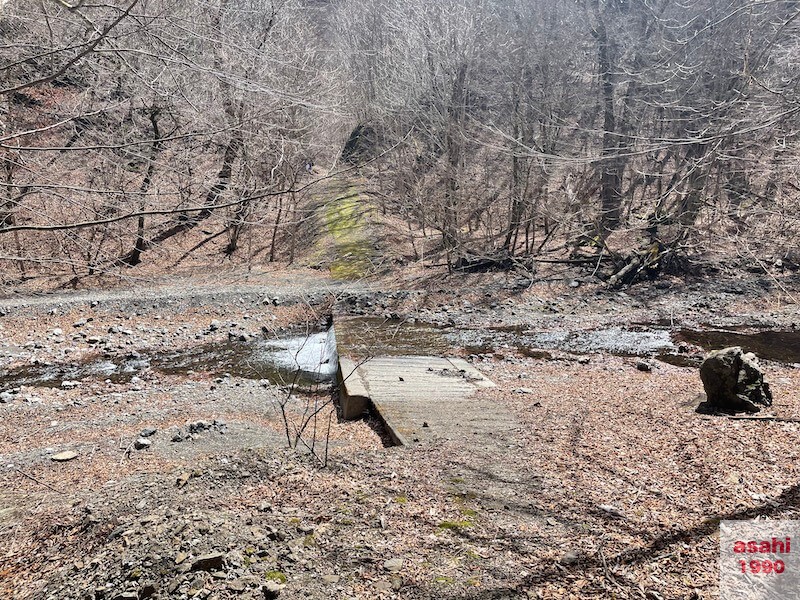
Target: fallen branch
{"points": [[763, 418], [32, 478]]}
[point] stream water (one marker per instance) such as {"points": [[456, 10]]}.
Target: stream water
{"points": [[307, 360], [302, 360]]}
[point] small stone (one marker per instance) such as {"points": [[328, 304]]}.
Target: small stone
{"points": [[584, 360], [68, 385], [393, 565], [199, 426], [142, 443], [611, 510], [180, 557], [383, 586], [331, 579], [147, 432], [644, 366], [129, 595], [214, 325], [64, 456], [523, 390], [570, 558], [174, 584], [147, 590], [80, 323], [6, 397], [209, 562], [272, 589]]}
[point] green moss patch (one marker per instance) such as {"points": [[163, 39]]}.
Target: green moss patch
{"points": [[353, 251]]}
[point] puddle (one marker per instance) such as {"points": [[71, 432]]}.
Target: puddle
{"points": [[780, 346], [304, 360], [369, 336], [373, 336]]}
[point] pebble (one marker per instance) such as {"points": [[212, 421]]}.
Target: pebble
{"points": [[272, 589], [64, 456], [142, 443], [209, 562], [393, 565], [570, 558], [331, 579]]}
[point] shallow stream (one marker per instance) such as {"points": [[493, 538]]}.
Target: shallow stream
{"points": [[307, 360]]}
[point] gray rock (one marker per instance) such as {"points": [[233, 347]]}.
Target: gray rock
{"points": [[147, 590], [147, 432], [272, 589], [142, 443], [209, 562], [331, 579], [734, 382], [393, 565], [64, 456], [199, 426], [570, 558], [644, 366], [6, 397]]}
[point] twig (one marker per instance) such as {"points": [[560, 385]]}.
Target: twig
{"points": [[763, 418], [32, 478]]}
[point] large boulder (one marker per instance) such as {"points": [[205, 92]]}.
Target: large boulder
{"points": [[734, 382]]}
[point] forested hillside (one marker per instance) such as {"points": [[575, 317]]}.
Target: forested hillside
{"points": [[632, 133]]}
